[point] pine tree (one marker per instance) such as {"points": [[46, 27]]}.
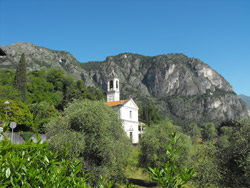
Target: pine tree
{"points": [[20, 78]]}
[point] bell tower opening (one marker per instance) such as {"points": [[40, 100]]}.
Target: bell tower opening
{"points": [[113, 93], [111, 84]]}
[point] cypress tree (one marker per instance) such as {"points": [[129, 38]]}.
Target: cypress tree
{"points": [[20, 78]]}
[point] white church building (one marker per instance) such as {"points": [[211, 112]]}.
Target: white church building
{"points": [[127, 109]]}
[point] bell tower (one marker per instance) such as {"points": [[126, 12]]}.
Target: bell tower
{"points": [[113, 88]]}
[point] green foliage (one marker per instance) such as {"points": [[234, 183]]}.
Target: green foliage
{"points": [[233, 157], [193, 131], [95, 135], [6, 77], [20, 78], [170, 175], [34, 165], [40, 90], [19, 113], [26, 135], [7, 91], [150, 114], [209, 131], [206, 167], [42, 112], [58, 89], [153, 150], [104, 183], [56, 77]]}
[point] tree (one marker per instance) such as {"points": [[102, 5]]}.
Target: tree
{"points": [[150, 114], [95, 135], [209, 131], [56, 77], [153, 150], [42, 112], [40, 90], [234, 156], [169, 175], [206, 165], [20, 78], [18, 112]]}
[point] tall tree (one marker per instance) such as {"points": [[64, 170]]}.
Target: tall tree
{"points": [[20, 78]]}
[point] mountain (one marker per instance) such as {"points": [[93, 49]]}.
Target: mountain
{"points": [[245, 98], [39, 57], [184, 89]]}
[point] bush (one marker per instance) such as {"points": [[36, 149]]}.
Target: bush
{"points": [[153, 150], [169, 174], [26, 135], [34, 165], [95, 135]]}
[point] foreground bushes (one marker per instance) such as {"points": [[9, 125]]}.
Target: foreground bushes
{"points": [[34, 165], [95, 136]]}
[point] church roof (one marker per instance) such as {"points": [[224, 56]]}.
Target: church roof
{"points": [[115, 103]]}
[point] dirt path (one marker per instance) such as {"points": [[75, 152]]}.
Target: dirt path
{"points": [[142, 183]]}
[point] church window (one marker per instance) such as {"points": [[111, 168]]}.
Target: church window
{"points": [[130, 114], [116, 84], [131, 135], [111, 84]]}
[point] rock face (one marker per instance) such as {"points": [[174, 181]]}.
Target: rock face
{"points": [[185, 89], [39, 57]]}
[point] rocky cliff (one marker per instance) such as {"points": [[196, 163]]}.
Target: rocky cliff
{"points": [[39, 57], [185, 89]]}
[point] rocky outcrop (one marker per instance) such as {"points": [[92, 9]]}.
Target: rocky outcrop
{"points": [[39, 57], [185, 89]]}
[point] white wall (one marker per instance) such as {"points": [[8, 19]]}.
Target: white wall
{"points": [[129, 116]]}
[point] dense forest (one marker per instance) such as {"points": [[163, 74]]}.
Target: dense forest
{"points": [[87, 146]]}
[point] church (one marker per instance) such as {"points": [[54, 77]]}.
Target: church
{"points": [[127, 109]]}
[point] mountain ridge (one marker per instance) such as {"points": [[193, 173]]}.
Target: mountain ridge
{"points": [[184, 89], [245, 98]]}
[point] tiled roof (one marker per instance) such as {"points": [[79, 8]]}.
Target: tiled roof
{"points": [[115, 103]]}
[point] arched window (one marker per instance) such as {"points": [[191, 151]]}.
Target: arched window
{"points": [[116, 84], [111, 84]]}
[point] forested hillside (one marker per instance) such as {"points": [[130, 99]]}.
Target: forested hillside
{"points": [[47, 92]]}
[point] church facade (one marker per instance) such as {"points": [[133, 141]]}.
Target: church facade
{"points": [[127, 109]]}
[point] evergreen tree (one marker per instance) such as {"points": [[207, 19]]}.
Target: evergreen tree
{"points": [[20, 78]]}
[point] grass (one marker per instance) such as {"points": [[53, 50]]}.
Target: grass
{"points": [[139, 177]]}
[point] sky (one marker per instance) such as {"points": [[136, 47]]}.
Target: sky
{"points": [[214, 31]]}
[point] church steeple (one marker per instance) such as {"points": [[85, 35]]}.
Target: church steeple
{"points": [[113, 89]]}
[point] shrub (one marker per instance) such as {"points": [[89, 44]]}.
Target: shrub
{"points": [[95, 135], [34, 165]]}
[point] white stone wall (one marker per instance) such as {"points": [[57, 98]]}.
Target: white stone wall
{"points": [[128, 113], [131, 129], [129, 116]]}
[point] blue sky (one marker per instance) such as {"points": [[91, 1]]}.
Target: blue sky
{"points": [[215, 31]]}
